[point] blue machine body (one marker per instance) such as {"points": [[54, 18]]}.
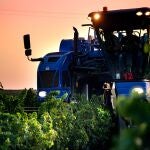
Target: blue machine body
{"points": [[125, 88], [53, 74], [91, 62]]}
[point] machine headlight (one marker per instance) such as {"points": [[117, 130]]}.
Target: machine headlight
{"points": [[139, 13], [147, 13], [42, 94], [96, 16], [137, 90]]}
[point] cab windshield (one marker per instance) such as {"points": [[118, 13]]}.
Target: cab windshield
{"points": [[124, 37], [126, 53], [48, 79]]}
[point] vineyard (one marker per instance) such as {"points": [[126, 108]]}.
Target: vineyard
{"points": [[85, 125], [56, 125]]}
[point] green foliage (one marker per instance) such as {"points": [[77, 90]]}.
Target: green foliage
{"points": [[10, 103], [30, 98], [57, 126], [136, 111], [81, 125], [147, 72], [16, 102], [96, 122], [2, 106], [97, 99], [21, 131]]}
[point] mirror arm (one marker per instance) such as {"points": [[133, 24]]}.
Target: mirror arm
{"points": [[35, 59]]}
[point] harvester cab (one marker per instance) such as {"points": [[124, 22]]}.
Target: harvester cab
{"points": [[124, 35], [83, 65]]}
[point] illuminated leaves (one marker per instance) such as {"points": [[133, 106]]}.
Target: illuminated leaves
{"points": [[136, 111]]}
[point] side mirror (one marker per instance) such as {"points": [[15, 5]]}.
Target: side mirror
{"points": [[26, 39]]}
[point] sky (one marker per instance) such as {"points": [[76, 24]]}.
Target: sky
{"points": [[47, 22]]}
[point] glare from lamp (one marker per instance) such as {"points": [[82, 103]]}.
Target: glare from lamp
{"points": [[138, 90], [42, 94], [97, 16], [147, 13], [139, 13]]}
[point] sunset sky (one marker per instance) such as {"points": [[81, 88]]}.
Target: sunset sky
{"points": [[47, 21]]}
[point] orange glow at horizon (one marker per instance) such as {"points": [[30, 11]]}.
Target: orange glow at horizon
{"points": [[47, 22]]}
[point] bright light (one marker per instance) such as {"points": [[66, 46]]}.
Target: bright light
{"points": [[97, 16], [148, 91], [147, 13], [138, 90], [42, 94], [139, 13]]}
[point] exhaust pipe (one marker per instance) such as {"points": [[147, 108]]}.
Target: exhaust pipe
{"points": [[76, 34]]}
